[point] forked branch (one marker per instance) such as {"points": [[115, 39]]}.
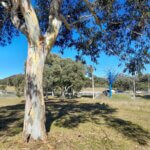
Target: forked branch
{"points": [[54, 23], [31, 21]]}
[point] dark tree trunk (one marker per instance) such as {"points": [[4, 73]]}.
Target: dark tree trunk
{"points": [[34, 121]]}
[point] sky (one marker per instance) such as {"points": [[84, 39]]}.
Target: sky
{"points": [[13, 57]]}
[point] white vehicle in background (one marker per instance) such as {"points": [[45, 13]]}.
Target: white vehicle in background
{"points": [[106, 92], [139, 92]]}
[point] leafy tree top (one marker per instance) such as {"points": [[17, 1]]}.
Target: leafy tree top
{"points": [[89, 26], [136, 63], [63, 73]]}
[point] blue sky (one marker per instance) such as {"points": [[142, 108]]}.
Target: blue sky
{"points": [[13, 57]]}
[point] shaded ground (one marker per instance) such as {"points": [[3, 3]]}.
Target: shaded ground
{"points": [[146, 97], [82, 124]]}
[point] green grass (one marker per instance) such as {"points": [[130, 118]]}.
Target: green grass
{"points": [[121, 97], [120, 123]]}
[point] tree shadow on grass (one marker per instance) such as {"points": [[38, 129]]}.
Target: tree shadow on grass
{"points": [[63, 113], [129, 129], [11, 119], [69, 114], [146, 97]]}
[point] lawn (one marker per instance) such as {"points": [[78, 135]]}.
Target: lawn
{"points": [[120, 123]]}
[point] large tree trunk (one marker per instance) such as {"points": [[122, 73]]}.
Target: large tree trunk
{"points": [[28, 24], [34, 121]]}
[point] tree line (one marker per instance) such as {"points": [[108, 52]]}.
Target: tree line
{"points": [[65, 76]]}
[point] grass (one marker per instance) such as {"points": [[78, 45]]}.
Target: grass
{"points": [[119, 123], [96, 89], [10, 89]]}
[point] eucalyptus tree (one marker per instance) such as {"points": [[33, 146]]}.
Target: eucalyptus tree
{"points": [[90, 27], [136, 64]]}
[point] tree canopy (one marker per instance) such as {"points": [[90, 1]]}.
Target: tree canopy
{"points": [[116, 27], [63, 75]]}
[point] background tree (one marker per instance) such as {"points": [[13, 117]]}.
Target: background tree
{"points": [[18, 83], [122, 83], [63, 75], [90, 27], [136, 64], [52, 73], [3, 87]]}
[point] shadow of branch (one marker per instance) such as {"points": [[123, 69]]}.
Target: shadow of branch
{"points": [[129, 129]]}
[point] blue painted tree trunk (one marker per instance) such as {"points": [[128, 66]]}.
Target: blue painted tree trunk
{"points": [[110, 90]]}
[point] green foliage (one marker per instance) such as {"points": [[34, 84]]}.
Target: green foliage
{"points": [[63, 75], [123, 83], [3, 87], [137, 62], [98, 82], [17, 81], [111, 27], [14, 80]]}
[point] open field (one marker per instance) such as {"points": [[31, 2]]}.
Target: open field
{"points": [[97, 89], [81, 124], [10, 89]]}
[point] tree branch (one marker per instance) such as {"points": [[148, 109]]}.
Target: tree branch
{"points": [[54, 24], [64, 20], [92, 12], [31, 21], [5, 4], [12, 7], [15, 18], [70, 26]]}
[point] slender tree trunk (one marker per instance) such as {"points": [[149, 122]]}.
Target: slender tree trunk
{"points": [[93, 86], [63, 93], [148, 90], [134, 88], [52, 93], [34, 121]]}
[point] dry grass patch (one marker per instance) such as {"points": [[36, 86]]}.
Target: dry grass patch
{"points": [[102, 124]]}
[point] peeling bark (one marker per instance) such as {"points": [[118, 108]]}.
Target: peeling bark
{"points": [[34, 121]]}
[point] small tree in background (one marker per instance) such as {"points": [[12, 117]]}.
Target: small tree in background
{"points": [[122, 82], [3, 87], [111, 78], [136, 64], [63, 76]]}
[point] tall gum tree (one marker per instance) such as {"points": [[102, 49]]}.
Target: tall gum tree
{"points": [[90, 27], [38, 47]]}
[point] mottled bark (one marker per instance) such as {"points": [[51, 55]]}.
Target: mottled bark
{"points": [[34, 121]]}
